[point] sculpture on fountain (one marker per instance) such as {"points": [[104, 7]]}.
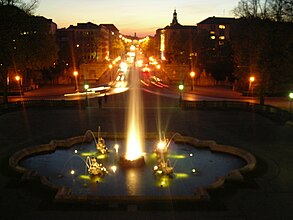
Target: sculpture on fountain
{"points": [[95, 168], [101, 145], [163, 166]]}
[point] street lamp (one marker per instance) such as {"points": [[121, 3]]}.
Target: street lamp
{"points": [[192, 75], [86, 87], [19, 82], [181, 87], [291, 97], [75, 73], [17, 78], [251, 80], [111, 71]]}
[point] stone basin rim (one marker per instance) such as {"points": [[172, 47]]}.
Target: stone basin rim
{"points": [[200, 193]]}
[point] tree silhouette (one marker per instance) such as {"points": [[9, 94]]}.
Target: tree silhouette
{"points": [[26, 44]]}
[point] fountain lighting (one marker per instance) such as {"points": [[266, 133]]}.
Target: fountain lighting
{"points": [[162, 147], [85, 177], [116, 148], [181, 175], [177, 156], [101, 156], [194, 171], [114, 168], [87, 154], [164, 181]]}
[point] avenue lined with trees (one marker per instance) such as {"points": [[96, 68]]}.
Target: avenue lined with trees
{"points": [[26, 44], [261, 45]]}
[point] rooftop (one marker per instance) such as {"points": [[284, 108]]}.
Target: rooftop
{"points": [[217, 20]]}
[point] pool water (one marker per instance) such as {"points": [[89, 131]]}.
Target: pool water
{"points": [[67, 167]]}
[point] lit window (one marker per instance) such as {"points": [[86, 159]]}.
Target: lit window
{"points": [[213, 37], [212, 32], [221, 26], [222, 37]]}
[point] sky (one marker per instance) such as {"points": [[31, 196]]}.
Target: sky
{"points": [[142, 17]]}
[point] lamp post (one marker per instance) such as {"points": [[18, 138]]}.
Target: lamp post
{"points": [[111, 71], [19, 82], [75, 73], [291, 98], [86, 87], [181, 87], [192, 75], [251, 80]]}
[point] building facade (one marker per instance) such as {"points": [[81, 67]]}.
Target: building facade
{"points": [[87, 45], [218, 29], [175, 41]]}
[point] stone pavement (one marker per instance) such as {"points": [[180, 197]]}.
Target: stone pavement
{"points": [[265, 193]]}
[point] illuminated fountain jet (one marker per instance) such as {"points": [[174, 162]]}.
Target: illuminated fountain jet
{"points": [[95, 168], [135, 131]]}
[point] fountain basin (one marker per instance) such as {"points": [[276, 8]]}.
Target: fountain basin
{"points": [[128, 184]]}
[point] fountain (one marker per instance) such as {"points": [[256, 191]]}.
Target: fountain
{"points": [[135, 130], [100, 144], [178, 166]]}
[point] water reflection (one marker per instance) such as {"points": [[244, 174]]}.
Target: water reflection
{"points": [[133, 181]]}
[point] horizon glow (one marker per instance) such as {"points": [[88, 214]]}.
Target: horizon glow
{"points": [[133, 16]]}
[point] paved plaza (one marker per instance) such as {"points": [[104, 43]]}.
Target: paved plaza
{"points": [[265, 193]]}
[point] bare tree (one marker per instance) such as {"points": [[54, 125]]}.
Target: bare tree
{"points": [[281, 10], [27, 6], [276, 10]]}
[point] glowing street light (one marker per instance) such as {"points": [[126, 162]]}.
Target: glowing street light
{"points": [[19, 82], [181, 87], [86, 87], [17, 78], [75, 73], [251, 80], [291, 98], [192, 75], [132, 48]]}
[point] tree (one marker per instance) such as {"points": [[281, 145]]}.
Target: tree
{"points": [[275, 10], [28, 7], [117, 48], [262, 44], [25, 44], [148, 47], [263, 48]]}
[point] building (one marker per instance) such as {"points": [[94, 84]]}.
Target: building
{"points": [[175, 40], [218, 28], [111, 36], [87, 47], [86, 42]]}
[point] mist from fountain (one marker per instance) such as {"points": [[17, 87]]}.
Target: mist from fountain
{"points": [[135, 124]]}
